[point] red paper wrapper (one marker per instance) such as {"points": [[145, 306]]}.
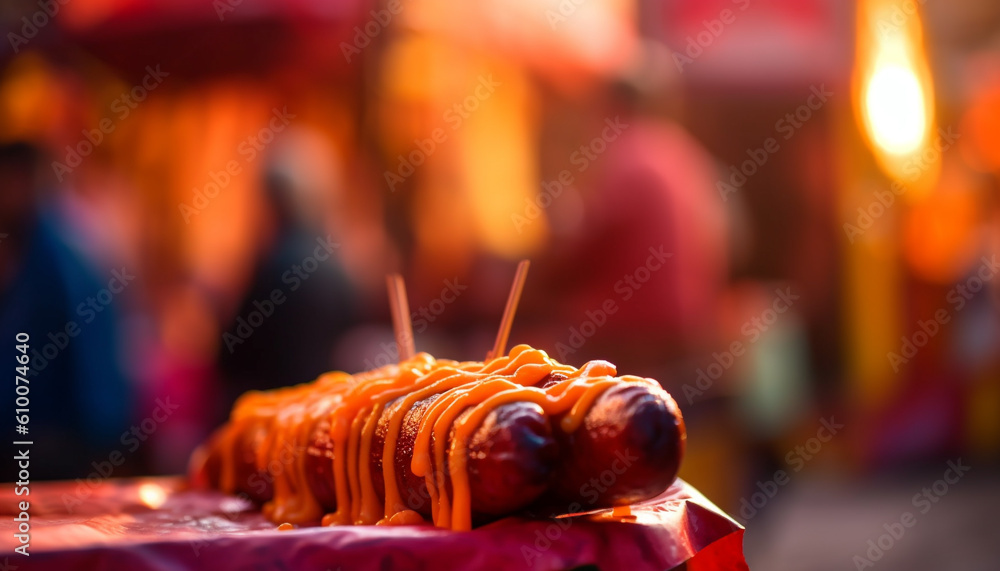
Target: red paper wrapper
{"points": [[156, 523]]}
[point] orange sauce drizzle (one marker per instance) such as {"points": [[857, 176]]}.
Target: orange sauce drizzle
{"points": [[284, 419], [621, 511], [403, 517]]}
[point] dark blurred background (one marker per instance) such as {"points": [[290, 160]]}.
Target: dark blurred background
{"points": [[786, 211]]}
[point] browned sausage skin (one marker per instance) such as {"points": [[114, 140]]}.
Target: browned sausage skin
{"points": [[628, 449]]}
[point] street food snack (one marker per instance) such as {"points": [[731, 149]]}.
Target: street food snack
{"points": [[455, 443]]}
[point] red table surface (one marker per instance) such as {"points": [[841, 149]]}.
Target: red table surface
{"points": [[155, 523]]}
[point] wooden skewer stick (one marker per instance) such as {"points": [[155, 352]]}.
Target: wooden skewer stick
{"points": [[400, 308], [500, 347]]}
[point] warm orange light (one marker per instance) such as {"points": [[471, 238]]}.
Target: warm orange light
{"points": [[895, 96], [894, 106], [941, 233], [152, 495]]}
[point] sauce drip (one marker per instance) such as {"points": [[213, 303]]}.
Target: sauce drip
{"points": [[280, 423]]}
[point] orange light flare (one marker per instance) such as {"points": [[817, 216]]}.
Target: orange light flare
{"points": [[941, 234], [152, 495], [894, 96]]}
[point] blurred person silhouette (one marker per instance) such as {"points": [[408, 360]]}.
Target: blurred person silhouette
{"points": [[643, 250], [301, 299], [639, 226], [79, 399]]}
